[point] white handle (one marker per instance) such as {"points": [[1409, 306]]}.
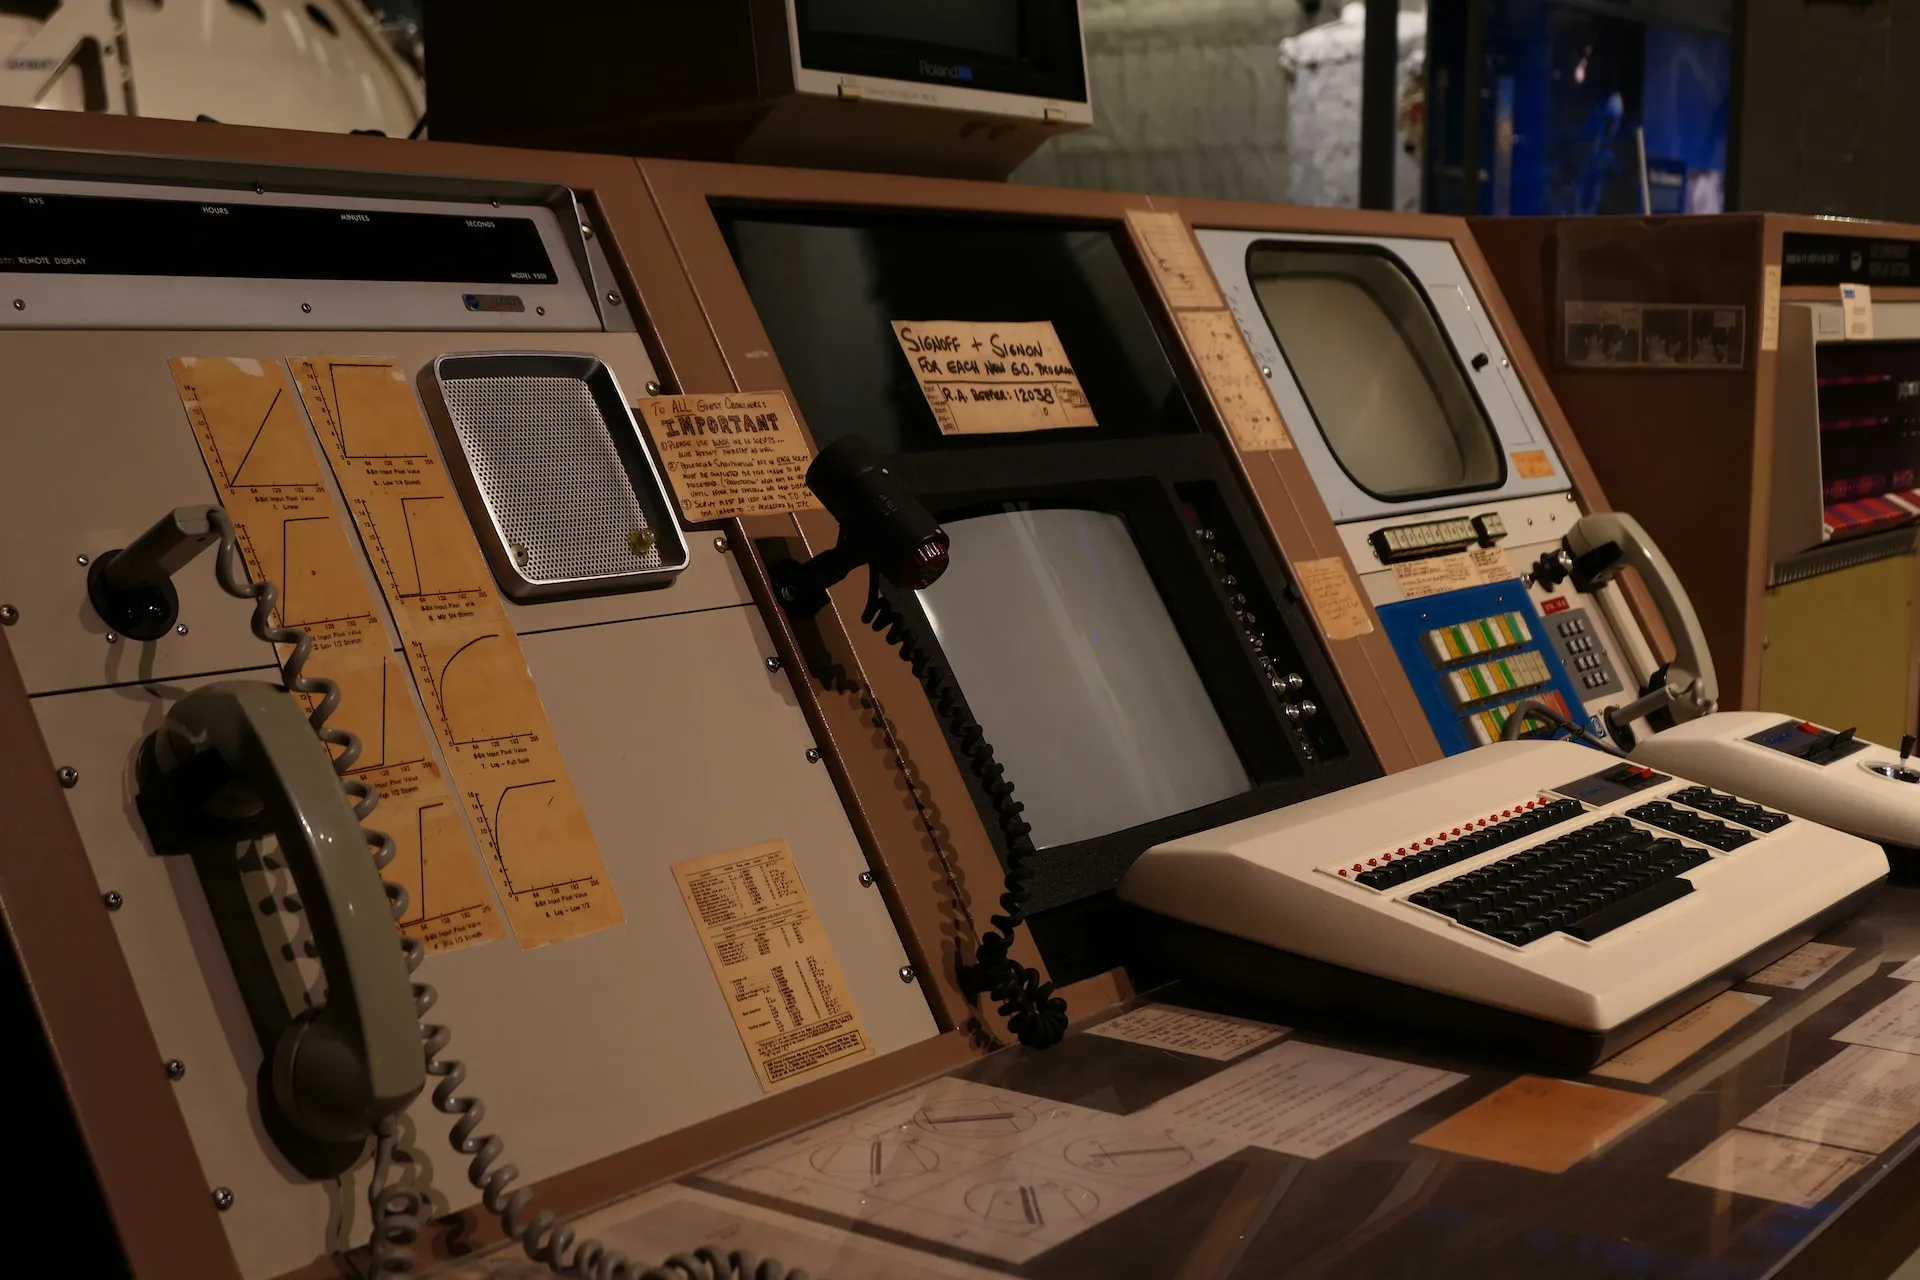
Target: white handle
{"points": [[1690, 676]]}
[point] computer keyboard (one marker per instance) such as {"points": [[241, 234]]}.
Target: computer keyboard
{"points": [[1537, 896]]}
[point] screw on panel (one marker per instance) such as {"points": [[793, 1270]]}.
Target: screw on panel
{"points": [[82, 561], [586, 232], [19, 304], [720, 543], [813, 755], [180, 630], [68, 775], [653, 388], [539, 311], [306, 307], [113, 899], [773, 663], [222, 1199], [112, 638], [175, 1069], [906, 973], [613, 299], [866, 879], [1266, 371], [8, 615]]}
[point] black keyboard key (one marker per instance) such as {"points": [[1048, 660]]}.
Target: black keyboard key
{"points": [[1628, 909]]}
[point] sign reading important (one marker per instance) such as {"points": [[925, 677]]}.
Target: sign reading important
{"points": [[736, 454], [985, 379]]}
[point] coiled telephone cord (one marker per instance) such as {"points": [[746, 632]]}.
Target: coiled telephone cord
{"points": [[1033, 1012], [397, 1201]]}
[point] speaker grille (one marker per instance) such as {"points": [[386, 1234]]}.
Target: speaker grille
{"points": [[542, 456]]}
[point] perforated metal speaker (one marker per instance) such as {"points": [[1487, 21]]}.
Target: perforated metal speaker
{"points": [[546, 455]]}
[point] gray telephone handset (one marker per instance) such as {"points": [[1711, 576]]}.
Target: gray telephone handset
{"points": [[1593, 553], [235, 761]]}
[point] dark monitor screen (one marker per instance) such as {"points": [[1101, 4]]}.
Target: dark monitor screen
{"points": [[1027, 47], [1053, 625], [1379, 374], [828, 288]]}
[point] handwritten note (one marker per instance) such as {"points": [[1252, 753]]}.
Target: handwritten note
{"points": [[1336, 601], [1303, 1099], [1673, 1044], [736, 454], [1174, 259], [1800, 969], [1772, 1168], [1204, 1035], [988, 379], [789, 1000], [1540, 1123], [1435, 575], [1238, 388], [1891, 1024], [1862, 1099]]}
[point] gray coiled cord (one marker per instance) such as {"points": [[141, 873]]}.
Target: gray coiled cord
{"points": [[397, 1201], [1529, 711]]}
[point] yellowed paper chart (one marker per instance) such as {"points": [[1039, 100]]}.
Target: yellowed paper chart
{"points": [[465, 657], [258, 449], [1238, 388], [789, 1000], [1174, 257]]}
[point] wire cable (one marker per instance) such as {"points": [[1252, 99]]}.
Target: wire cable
{"points": [[1033, 1012], [397, 1199], [1526, 711]]}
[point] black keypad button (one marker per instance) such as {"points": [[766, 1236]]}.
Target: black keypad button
{"points": [[1732, 808]]}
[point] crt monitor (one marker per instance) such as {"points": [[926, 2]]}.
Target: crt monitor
{"points": [[1026, 47], [1868, 395], [1114, 615]]}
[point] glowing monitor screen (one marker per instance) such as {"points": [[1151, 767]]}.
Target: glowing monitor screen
{"points": [[1376, 370], [1069, 660]]}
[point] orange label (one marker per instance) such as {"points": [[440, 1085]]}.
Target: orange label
{"points": [[1543, 1124], [1534, 464]]}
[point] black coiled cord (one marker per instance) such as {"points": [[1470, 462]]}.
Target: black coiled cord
{"points": [[1033, 1013]]}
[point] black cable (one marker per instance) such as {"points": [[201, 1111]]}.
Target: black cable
{"points": [[1033, 1012], [1541, 711]]}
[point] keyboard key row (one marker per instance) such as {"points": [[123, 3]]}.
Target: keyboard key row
{"points": [[1732, 808], [1694, 826], [1415, 861]]}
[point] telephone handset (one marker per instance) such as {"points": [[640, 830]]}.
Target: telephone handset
{"points": [[1592, 554], [235, 761], [235, 758]]}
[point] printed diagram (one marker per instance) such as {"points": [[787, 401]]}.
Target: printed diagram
{"points": [[251, 432], [1026, 1205], [445, 885], [991, 1171], [876, 1161], [427, 555], [479, 692], [310, 559], [357, 394], [1129, 1154]]}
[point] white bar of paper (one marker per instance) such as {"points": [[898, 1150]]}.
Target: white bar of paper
{"points": [[1908, 972], [1862, 1099], [1892, 1024], [1772, 1168], [1802, 968], [1303, 1099], [1204, 1035]]}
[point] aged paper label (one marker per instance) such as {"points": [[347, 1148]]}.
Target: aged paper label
{"points": [[481, 702], [1856, 311], [789, 1001], [1800, 969], [1772, 1168], [1533, 464], [1174, 258], [1491, 565], [1861, 1099], [1892, 1024], [1336, 601], [981, 378], [246, 420], [1204, 1035], [1673, 1044], [1770, 311], [1908, 972], [735, 454], [1234, 381], [1541, 1123], [1302, 1099], [1431, 575]]}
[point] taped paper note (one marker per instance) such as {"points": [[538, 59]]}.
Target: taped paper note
{"points": [[1204, 1035], [789, 1000], [1533, 464], [731, 455], [1856, 311], [1908, 972], [1234, 381], [1772, 1168], [465, 657], [1862, 1099], [987, 1170], [259, 452], [1302, 1099], [1770, 311], [1800, 969], [1891, 1024], [987, 379], [1679, 1040], [1336, 603], [1540, 1123], [1173, 256], [1491, 565], [1434, 575]]}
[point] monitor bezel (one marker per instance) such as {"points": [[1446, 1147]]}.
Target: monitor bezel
{"points": [[1137, 479], [844, 55]]}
